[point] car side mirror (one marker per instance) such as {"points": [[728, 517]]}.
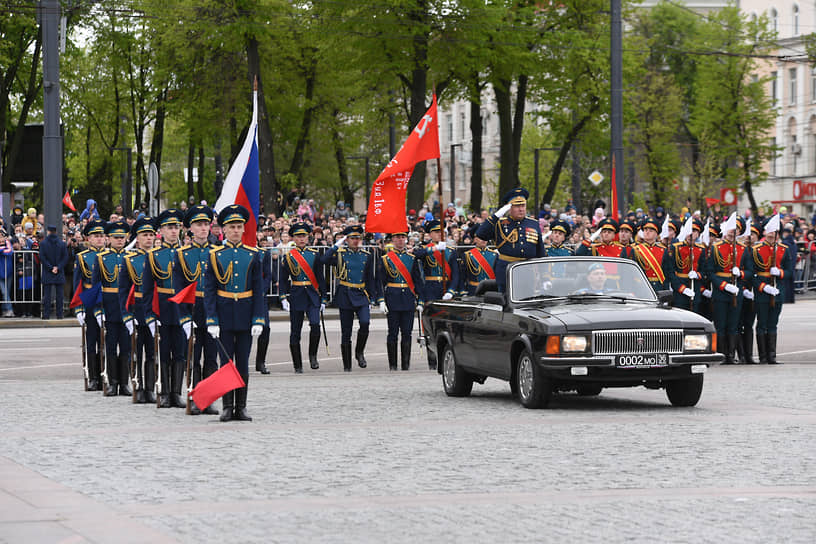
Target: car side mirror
{"points": [[494, 297], [665, 297]]}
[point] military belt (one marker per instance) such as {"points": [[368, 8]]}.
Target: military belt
{"points": [[199, 294], [764, 274], [166, 290], [352, 285], [110, 289], [473, 283], [302, 283], [86, 285], [509, 258], [397, 285], [434, 278], [680, 275], [137, 294], [234, 296], [724, 274]]}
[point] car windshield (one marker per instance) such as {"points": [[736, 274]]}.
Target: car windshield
{"points": [[577, 278]]}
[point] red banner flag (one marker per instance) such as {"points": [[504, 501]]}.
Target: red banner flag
{"points": [[131, 297], [67, 201], [186, 295], [615, 214], [155, 305], [224, 380], [76, 301], [386, 206], [711, 201]]}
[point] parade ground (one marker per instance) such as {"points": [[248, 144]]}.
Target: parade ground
{"points": [[379, 456]]}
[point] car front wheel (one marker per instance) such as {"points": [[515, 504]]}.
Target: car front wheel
{"points": [[533, 387], [456, 381], [685, 392]]}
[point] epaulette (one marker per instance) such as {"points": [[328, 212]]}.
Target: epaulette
{"points": [[83, 252], [255, 249], [367, 252]]}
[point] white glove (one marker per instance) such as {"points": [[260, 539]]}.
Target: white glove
{"points": [[188, 329], [736, 271], [99, 319], [595, 235], [544, 237], [152, 327], [81, 318], [340, 241], [322, 308], [129, 326], [547, 285], [748, 294], [707, 292], [285, 305], [731, 288], [256, 330], [639, 234], [771, 290], [213, 330], [693, 275], [447, 296], [383, 308], [503, 210], [688, 292], [775, 271], [441, 246]]}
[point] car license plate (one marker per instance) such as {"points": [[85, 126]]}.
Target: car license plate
{"points": [[642, 360]]}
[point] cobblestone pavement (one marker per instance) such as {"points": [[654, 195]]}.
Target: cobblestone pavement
{"points": [[373, 456]]}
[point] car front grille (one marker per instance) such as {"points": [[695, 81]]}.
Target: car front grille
{"points": [[637, 341]]}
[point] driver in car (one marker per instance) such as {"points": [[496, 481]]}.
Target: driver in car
{"points": [[596, 280]]}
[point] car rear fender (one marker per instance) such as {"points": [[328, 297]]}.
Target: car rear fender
{"points": [[443, 339], [521, 343]]}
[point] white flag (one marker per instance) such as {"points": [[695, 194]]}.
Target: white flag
{"points": [[729, 225], [747, 231], [705, 237], [772, 225]]}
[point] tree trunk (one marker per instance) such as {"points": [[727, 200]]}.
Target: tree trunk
{"points": [[296, 166], [572, 136], [518, 124], [507, 180], [190, 166], [158, 139], [476, 150], [200, 186], [266, 157], [346, 192], [419, 87]]}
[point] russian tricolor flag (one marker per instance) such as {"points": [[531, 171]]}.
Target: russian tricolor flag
{"points": [[243, 185]]}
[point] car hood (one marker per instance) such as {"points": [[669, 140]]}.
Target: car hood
{"points": [[599, 316]]}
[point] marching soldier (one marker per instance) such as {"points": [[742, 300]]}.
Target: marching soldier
{"points": [[135, 261], [440, 265], [706, 306], [269, 276], [401, 275], [356, 290], [94, 232], [745, 345], [683, 266], [190, 264], [607, 247], [772, 263], [730, 269], [157, 286], [233, 285], [517, 237], [626, 234], [109, 269], [303, 291], [479, 264], [650, 254]]}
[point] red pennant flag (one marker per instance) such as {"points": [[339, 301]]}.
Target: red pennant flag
{"points": [[186, 295], [386, 206], [67, 201], [711, 201], [615, 214], [76, 301], [224, 380], [155, 305], [131, 297]]}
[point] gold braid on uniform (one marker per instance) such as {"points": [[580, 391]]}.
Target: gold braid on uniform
{"points": [[512, 237], [294, 268], [390, 268], [84, 266], [679, 260], [724, 263], [109, 277], [134, 277], [222, 279], [766, 265], [189, 275], [473, 265], [341, 270], [158, 271]]}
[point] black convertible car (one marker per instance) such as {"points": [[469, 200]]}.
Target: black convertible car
{"points": [[570, 324]]}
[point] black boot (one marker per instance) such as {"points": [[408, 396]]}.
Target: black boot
{"points": [[314, 343], [149, 381], [209, 410], [359, 349], [124, 377], [770, 342], [730, 347], [164, 392], [112, 369], [747, 341], [261, 367], [740, 356], [297, 359], [176, 399], [431, 360], [406, 354], [392, 355], [227, 402], [240, 412], [762, 347], [260, 354], [93, 373], [345, 351]]}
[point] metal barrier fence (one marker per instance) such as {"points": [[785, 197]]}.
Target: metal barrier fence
{"points": [[804, 269]]}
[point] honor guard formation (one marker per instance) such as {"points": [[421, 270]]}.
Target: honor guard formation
{"points": [[166, 302]]}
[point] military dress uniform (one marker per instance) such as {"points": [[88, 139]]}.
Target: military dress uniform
{"points": [[303, 290], [83, 276], [135, 261], [402, 283], [650, 257], [559, 270], [684, 257], [601, 249], [109, 269], [479, 265], [190, 264], [356, 290], [514, 240], [745, 347], [268, 275], [157, 286], [440, 268], [628, 248], [772, 263]]}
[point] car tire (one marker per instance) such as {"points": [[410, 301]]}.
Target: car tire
{"points": [[589, 390], [685, 392], [456, 381], [533, 386]]}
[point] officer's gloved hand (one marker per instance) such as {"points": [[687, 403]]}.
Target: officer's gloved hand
{"points": [[547, 235], [152, 328], [688, 292], [748, 294], [547, 285], [81, 318], [322, 307], [285, 305], [441, 246], [188, 329], [100, 319], [639, 234], [771, 290], [731, 288], [256, 330], [340, 241], [775, 271], [693, 275], [503, 210], [383, 308], [707, 293], [736, 271], [129, 326], [447, 296], [595, 235], [215, 330]]}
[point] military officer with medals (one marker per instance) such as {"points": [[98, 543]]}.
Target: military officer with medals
{"points": [[303, 291], [402, 283], [356, 290], [234, 302], [440, 265], [730, 269], [479, 264], [144, 232], [650, 254], [772, 263], [745, 346], [109, 269], [90, 318], [517, 237], [683, 268], [157, 286], [190, 264]]}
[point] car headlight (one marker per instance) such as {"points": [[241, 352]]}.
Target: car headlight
{"points": [[573, 343], [695, 342]]}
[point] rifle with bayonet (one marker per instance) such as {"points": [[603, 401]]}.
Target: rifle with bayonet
{"points": [[158, 383], [84, 359], [134, 375], [103, 357], [190, 350]]}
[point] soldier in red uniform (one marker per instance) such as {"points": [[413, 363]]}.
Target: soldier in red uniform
{"points": [[607, 247], [649, 254], [626, 235]]}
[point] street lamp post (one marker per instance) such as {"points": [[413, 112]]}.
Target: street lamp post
{"points": [[452, 172], [367, 174], [535, 174], [127, 180]]}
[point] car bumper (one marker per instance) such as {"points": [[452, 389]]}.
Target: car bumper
{"points": [[604, 369]]}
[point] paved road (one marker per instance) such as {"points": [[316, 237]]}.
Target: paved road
{"points": [[375, 456]]}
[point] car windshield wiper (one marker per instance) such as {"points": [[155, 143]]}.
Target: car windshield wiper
{"points": [[596, 296], [542, 297]]}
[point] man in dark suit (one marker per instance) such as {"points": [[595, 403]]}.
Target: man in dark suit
{"points": [[53, 257]]}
